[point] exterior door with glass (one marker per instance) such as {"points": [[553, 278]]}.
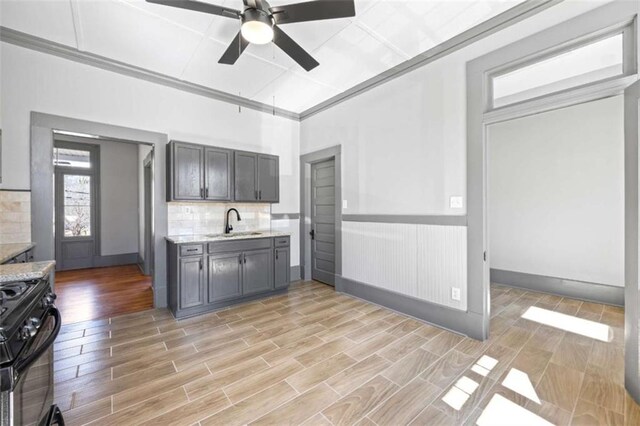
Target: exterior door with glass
{"points": [[75, 205]]}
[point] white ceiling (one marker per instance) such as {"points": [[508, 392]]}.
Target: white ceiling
{"points": [[187, 45]]}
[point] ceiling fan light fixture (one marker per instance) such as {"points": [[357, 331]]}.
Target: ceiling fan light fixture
{"points": [[257, 27]]}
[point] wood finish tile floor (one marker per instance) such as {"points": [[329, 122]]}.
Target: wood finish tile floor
{"points": [[87, 294], [316, 357]]}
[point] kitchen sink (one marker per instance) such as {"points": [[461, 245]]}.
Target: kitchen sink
{"points": [[234, 234]]}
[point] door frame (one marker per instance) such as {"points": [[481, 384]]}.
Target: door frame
{"points": [[94, 172], [480, 115], [42, 135], [148, 214], [335, 153], [313, 251]]}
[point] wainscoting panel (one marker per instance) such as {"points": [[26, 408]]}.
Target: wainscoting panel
{"points": [[380, 254], [442, 264], [420, 261]]}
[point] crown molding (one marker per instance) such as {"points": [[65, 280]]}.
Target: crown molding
{"points": [[499, 22], [32, 42]]}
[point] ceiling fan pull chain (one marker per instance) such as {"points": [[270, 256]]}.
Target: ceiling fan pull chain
{"points": [[274, 104], [239, 106]]}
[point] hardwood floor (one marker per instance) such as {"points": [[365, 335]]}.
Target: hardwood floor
{"points": [[87, 294], [316, 357]]}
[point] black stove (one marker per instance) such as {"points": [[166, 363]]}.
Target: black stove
{"points": [[29, 324]]}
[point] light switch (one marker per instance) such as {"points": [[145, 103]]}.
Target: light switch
{"points": [[455, 293], [344, 204], [455, 202]]}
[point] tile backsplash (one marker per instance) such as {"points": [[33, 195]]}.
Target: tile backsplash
{"points": [[208, 218], [15, 217]]}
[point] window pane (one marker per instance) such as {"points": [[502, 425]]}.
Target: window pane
{"points": [[587, 64], [77, 205], [71, 158]]}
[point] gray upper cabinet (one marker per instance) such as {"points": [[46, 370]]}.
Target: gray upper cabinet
{"points": [[192, 284], [258, 275], [246, 176], [218, 164], [187, 171], [225, 276], [204, 173], [268, 178]]}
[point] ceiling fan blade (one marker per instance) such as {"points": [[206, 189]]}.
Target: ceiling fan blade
{"points": [[234, 50], [199, 6], [293, 49], [313, 11]]}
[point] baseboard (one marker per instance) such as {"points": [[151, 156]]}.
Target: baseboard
{"points": [[115, 260], [592, 292], [458, 321], [294, 273]]}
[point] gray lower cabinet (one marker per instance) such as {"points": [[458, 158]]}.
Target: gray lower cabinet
{"points": [[225, 276], [257, 274], [192, 284], [282, 270], [203, 277]]}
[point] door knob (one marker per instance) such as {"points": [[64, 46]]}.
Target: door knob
{"points": [[313, 234]]}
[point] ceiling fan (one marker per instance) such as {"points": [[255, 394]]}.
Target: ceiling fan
{"points": [[260, 23]]}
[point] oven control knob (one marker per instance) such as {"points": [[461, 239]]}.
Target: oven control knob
{"points": [[28, 331], [35, 322], [48, 300]]}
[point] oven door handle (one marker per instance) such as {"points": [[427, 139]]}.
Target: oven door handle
{"points": [[54, 417], [26, 363]]}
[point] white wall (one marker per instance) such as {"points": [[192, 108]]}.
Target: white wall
{"points": [[556, 193], [404, 146], [33, 81]]}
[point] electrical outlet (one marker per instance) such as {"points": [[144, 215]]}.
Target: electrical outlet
{"points": [[455, 293], [455, 202], [344, 204]]}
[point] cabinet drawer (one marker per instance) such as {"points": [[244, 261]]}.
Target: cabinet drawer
{"points": [[191, 250], [281, 241], [258, 243]]}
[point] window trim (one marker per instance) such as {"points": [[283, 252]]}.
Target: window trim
{"points": [[628, 30]]}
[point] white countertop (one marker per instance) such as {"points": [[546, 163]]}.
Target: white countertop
{"points": [[185, 239], [9, 251], [25, 271]]}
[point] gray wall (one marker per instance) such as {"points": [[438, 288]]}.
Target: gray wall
{"points": [[556, 193]]}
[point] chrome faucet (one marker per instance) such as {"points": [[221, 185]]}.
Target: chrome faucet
{"points": [[227, 226]]}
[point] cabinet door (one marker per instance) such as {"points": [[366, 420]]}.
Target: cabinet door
{"points": [[225, 276], [268, 178], [246, 167], [217, 174], [258, 273], [192, 287], [187, 172], [281, 265]]}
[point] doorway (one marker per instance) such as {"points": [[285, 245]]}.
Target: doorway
{"points": [[76, 189], [321, 216], [323, 222]]}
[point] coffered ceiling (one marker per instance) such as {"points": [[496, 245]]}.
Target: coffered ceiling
{"points": [[187, 45]]}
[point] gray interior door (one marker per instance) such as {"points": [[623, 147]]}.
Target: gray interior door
{"points": [[246, 179], [187, 169], [225, 276], [268, 178], [323, 219], [257, 273], [217, 174]]}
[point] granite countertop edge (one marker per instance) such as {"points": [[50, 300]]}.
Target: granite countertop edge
{"points": [[185, 239], [10, 250], [25, 271]]}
